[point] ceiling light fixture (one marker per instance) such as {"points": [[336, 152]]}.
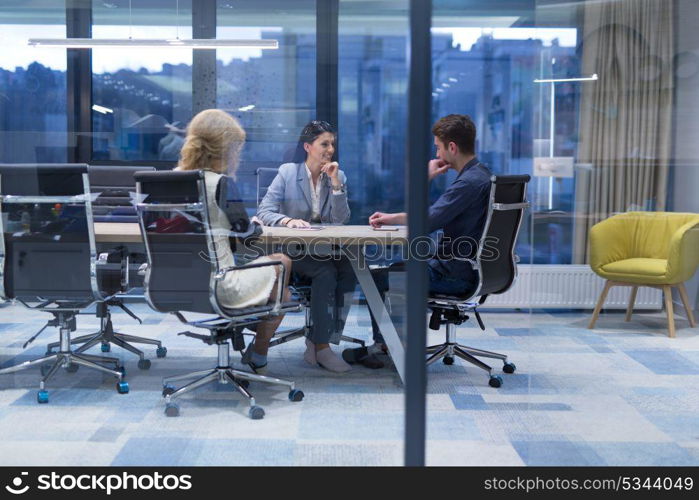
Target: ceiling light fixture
{"points": [[101, 109], [173, 43], [557, 80], [176, 43]]}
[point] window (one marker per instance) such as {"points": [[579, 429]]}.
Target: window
{"points": [[485, 66], [33, 120], [373, 84], [271, 92], [142, 98]]}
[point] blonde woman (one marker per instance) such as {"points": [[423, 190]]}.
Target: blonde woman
{"points": [[213, 143]]}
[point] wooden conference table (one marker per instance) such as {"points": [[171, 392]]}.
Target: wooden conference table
{"points": [[350, 240]]}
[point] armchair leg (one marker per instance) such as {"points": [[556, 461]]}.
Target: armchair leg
{"points": [[667, 289], [632, 301], [687, 307], [600, 303]]}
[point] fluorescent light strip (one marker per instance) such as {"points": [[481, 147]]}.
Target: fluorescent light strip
{"points": [[101, 109], [556, 80], [195, 43]]}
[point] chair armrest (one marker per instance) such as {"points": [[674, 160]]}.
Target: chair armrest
{"points": [[282, 276], [119, 256], [608, 241], [683, 257], [254, 230]]}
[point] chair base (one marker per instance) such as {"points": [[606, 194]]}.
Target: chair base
{"points": [[224, 373], [70, 360], [106, 336], [295, 333], [449, 350]]}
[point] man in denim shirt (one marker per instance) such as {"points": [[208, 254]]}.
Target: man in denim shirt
{"points": [[459, 213]]}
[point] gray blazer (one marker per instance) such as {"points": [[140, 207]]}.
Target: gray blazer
{"points": [[289, 195]]}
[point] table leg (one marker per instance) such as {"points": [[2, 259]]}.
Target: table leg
{"points": [[378, 308]]}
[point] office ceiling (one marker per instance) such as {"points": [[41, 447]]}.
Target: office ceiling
{"points": [[389, 14]]}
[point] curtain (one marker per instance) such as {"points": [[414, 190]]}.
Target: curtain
{"points": [[625, 116]]}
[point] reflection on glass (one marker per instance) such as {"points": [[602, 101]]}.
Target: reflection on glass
{"points": [[373, 82], [32, 88], [142, 98], [271, 92]]}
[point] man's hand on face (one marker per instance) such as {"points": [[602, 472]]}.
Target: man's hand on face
{"points": [[436, 167]]}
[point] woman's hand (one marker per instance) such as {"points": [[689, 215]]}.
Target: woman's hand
{"points": [[294, 223], [332, 170]]}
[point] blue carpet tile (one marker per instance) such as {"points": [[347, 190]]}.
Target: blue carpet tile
{"points": [[623, 394]]}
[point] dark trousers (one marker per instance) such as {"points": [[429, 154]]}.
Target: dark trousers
{"points": [[438, 284], [332, 285]]}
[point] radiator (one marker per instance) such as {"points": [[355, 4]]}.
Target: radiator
{"points": [[568, 287]]}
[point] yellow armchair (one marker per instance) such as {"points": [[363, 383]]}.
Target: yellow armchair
{"points": [[656, 249]]}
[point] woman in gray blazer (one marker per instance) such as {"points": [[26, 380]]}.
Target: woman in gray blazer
{"points": [[312, 191]]}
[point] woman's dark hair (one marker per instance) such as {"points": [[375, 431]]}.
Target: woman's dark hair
{"points": [[309, 134]]}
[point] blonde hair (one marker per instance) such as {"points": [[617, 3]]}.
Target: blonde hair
{"points": [[214, 140]]}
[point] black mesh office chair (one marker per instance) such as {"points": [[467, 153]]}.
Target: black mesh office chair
{"points": [[48, 258], [112, 185], [183, 272], [496, 264], [301, 287]]}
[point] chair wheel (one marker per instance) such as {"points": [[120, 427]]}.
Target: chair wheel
{"points": [[448, 360], [161, 352], [144, 364], [42, 397], [509, 368], [167, 390], [172, 410], [72, 368], [295, 395], [256, 413], [495, 381], [122, 387], [106, 347]]}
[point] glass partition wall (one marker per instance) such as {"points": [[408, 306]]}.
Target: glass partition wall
{"points": [[32, 84], [592, 99], [141, 97]]}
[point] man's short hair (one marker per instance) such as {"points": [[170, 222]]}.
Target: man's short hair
{"points": [[458, 129]]}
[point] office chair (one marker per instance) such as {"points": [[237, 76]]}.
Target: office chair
{"points": [[183, 272], [496, 266], [301, 288], [48, 256], [113, 185]]}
